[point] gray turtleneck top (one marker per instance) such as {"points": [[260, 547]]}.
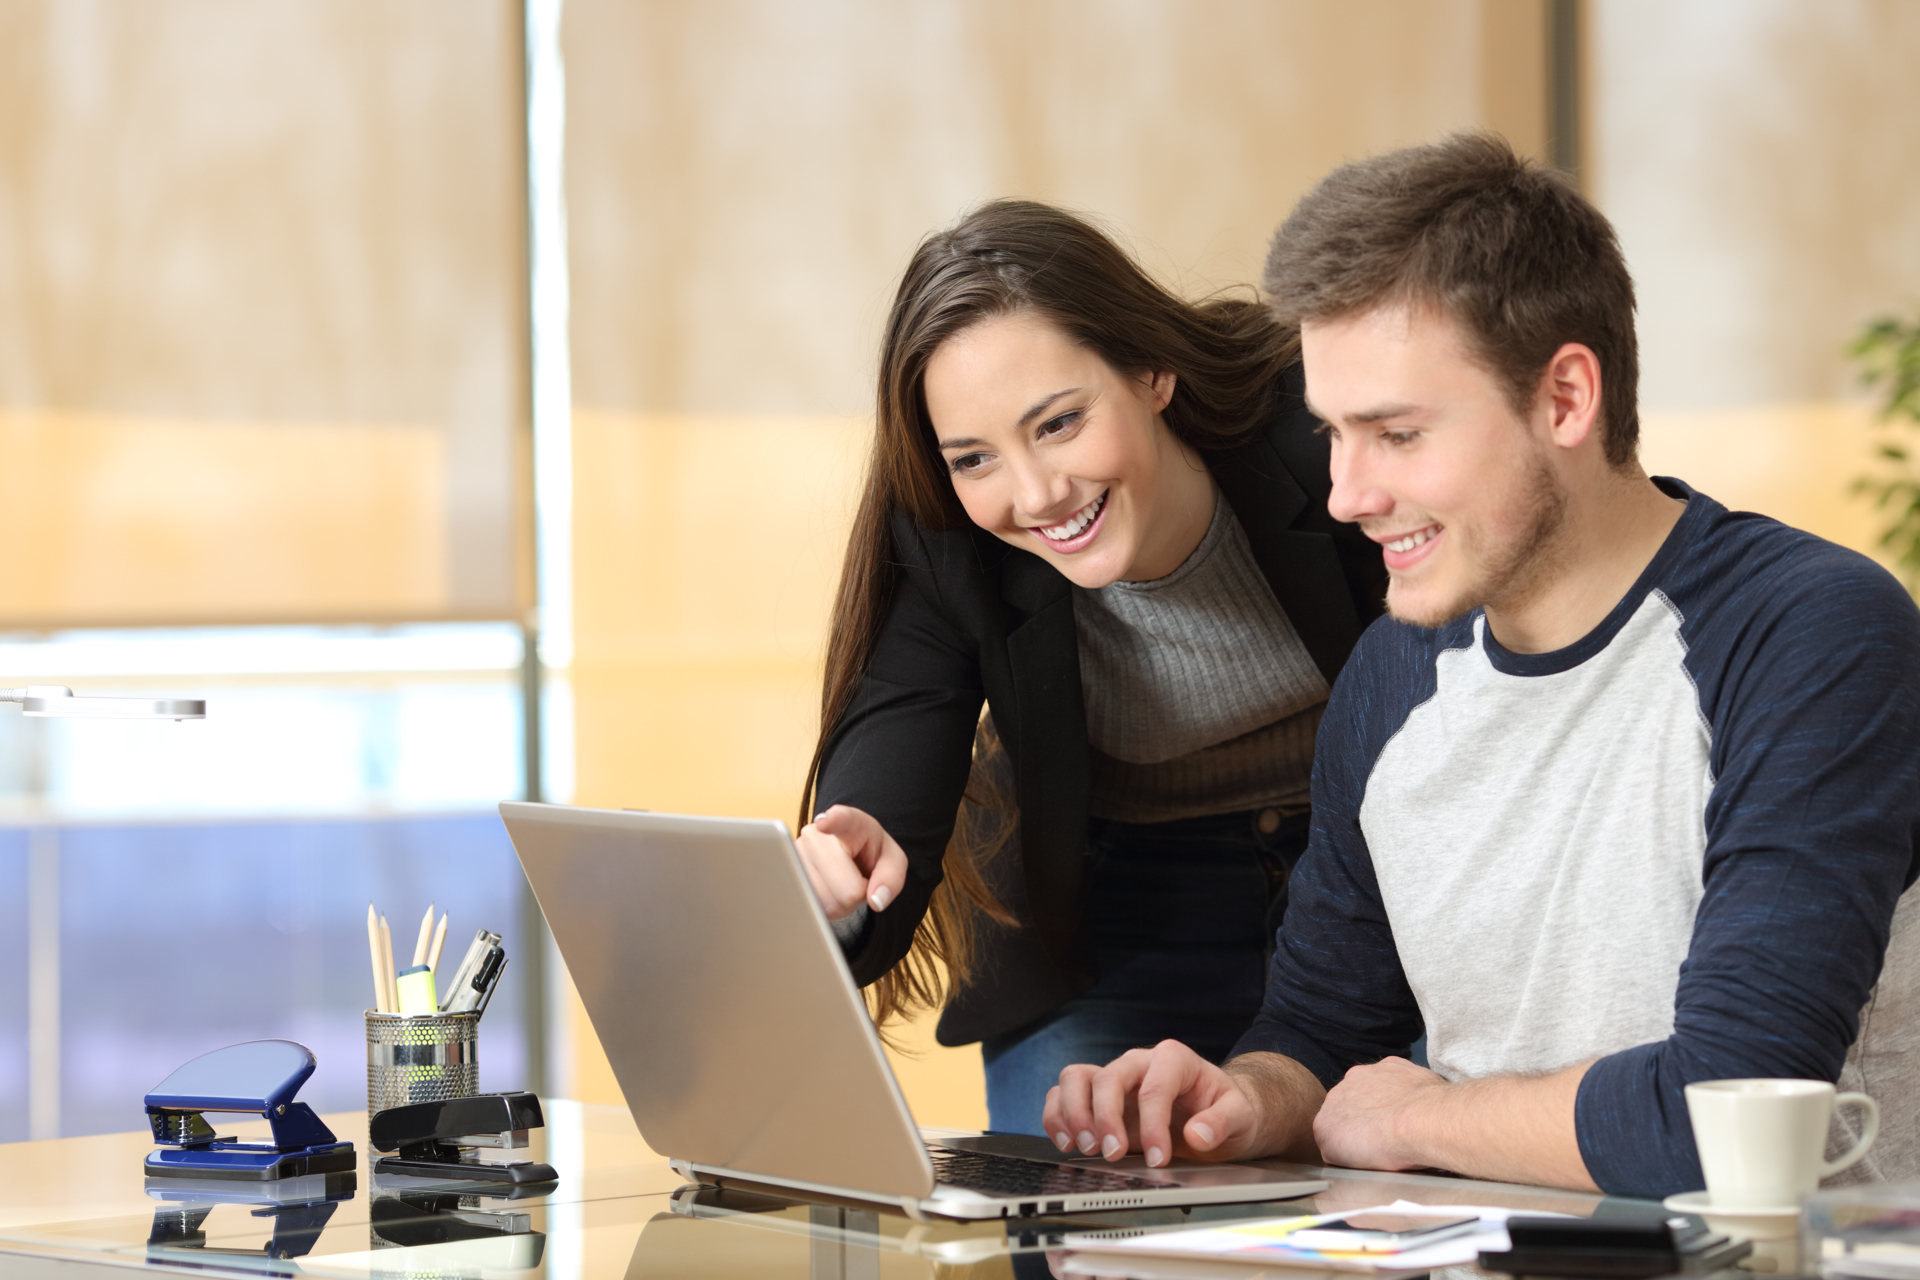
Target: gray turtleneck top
{"points": [[1200, 697]]}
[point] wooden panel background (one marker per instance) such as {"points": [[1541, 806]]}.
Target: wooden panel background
{"points": [[227, 226]]}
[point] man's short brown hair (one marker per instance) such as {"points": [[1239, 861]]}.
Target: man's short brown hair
{"points": [[1510, 250]]}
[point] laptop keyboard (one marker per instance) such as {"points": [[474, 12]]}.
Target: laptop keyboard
{"points": [[1012, 1176]]}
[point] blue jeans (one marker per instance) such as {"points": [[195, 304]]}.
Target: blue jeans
{"points": [[1181, 916]]}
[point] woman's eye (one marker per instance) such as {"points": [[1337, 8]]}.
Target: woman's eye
{"points": [[1054, 426], [967, 462]]}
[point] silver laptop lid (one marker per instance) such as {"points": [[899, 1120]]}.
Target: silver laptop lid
{"points": [[720, 995]]}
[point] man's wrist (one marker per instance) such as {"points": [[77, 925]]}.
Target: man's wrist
{"points": [[1284, 1097], [1417, 1127]]}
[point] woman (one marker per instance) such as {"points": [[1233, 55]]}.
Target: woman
{"points": [[1100, 510]]}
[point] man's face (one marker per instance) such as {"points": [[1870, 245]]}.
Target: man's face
{"points": [[1432, 462]]}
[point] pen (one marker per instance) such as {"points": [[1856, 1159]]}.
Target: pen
{"points": [[492, 985], [472, 993], [476, 952]]}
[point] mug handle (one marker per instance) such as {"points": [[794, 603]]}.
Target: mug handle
{"points": [[1830, 1167]]}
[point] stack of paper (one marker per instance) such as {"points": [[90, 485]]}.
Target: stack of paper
{"points": [[1237, 1249]]}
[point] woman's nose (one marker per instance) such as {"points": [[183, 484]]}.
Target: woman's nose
{"points": [[1040, 491]]}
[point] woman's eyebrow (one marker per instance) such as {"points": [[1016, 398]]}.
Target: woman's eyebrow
{"points": [[1039, 406]]}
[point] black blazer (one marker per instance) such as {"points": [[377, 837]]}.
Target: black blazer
{"points": [[972, 618]]}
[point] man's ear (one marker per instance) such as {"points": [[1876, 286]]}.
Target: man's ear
{"points": [[1571, 391]]}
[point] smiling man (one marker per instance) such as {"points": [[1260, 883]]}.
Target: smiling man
{"points": [[1625, 792]]}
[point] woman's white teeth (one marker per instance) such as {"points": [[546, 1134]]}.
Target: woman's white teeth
{"points": [[1413, 539], [1074, 527]]}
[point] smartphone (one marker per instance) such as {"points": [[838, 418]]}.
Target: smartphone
{"points": [[1379, 1232]]}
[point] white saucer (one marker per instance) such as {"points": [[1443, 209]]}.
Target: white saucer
{"points": [[1754, 1224]]}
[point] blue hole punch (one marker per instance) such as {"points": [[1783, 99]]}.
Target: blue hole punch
{"points": [[261, 1077]]}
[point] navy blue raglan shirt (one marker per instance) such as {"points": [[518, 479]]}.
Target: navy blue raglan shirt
{"points": [[1675, 849]]}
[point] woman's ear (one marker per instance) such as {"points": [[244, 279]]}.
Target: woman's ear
{"points": [[1161, 387]]}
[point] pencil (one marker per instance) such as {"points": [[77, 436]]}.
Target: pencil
{"points": [[439, 940], [379, 970], [386, 966], [426, 936]]}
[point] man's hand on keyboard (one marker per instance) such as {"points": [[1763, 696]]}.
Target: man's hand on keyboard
{"points": [[1165, 1101]]}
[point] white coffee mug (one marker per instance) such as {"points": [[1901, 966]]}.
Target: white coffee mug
{"points": [[1761, 1142]]}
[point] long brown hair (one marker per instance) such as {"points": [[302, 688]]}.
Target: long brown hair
{"points": [[1007, 257]]}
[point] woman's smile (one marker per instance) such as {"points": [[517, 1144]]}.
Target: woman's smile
{"points": [[1078, 530]]}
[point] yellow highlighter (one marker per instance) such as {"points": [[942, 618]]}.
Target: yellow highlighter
{"points": [[416, 990]]}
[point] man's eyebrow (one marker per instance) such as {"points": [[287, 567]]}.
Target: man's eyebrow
{"points": [[1379, 413]]}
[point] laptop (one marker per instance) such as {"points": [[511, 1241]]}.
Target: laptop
{"points": [[745, 1050]]}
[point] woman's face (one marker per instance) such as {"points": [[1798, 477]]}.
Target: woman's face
{"points": [[1056, 452]]}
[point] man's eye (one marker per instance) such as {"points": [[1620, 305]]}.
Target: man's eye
{"points": [[967, 462], [1401, 437]]}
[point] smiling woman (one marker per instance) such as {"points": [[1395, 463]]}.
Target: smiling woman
{"points": [[1100, 511]]}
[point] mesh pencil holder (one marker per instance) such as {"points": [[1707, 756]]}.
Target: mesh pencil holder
{"points": [[425, 1057]]}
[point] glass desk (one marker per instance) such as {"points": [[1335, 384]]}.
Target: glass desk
{"points": [[74, 1208]]}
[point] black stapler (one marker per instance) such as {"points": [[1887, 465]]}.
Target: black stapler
{"points": [[438, 1139]]}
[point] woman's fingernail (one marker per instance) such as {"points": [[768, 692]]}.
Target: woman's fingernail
{"points": [[1202, 1132], [1153, 1156], [1086, 1142], [1109, 1145], [1061, 1140], [880, 897]]}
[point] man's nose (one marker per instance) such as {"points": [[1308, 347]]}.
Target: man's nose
{"points": [[1357, 493]]}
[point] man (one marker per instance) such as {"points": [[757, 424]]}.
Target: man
{"points": [[1623, 794]]}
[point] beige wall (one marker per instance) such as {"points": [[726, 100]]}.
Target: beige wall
{"points": [[111, 519], [747, 177], [227, 226], [1757, 157], [745, 180]]}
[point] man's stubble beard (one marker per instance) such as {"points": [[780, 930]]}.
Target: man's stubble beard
{"points": [[1512, 571]]}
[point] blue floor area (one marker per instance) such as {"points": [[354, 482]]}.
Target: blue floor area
{"points": [[180, 938]]}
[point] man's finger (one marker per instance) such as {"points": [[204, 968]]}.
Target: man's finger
{"points": [[1172, 1070], [1075, 1092], [1052, 1122], [1224, 1128], [1113, 1091]]}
